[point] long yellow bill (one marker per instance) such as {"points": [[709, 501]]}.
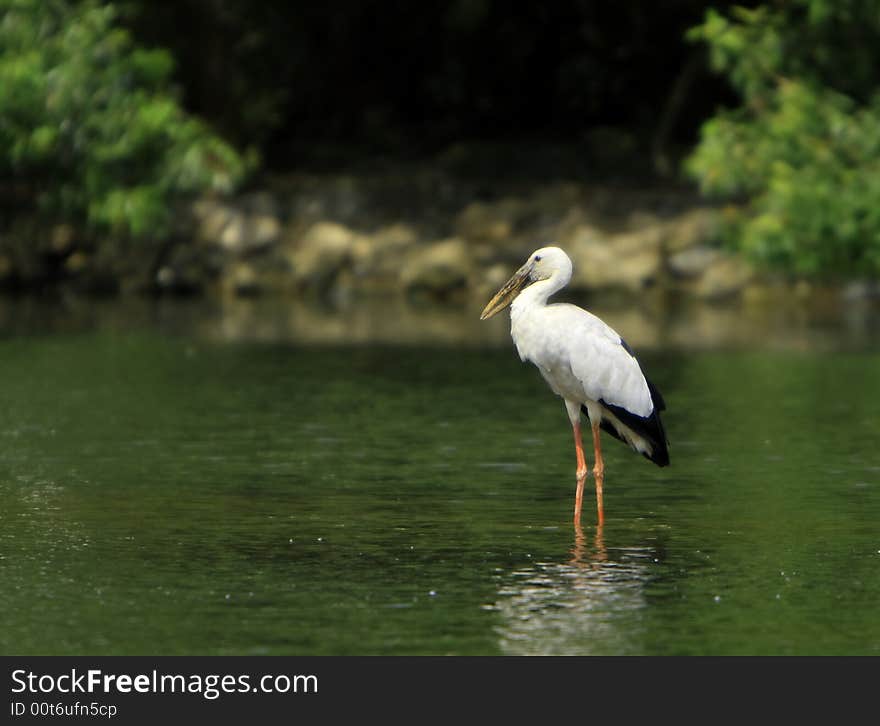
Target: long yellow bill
{"points": [[507, 293]]}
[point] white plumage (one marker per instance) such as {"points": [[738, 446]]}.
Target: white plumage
{"points": [[583, 360]]}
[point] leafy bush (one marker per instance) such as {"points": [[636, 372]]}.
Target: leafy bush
{"points": [[804, 147], [89, 126]]}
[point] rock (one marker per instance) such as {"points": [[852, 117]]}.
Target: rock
{"points": [[439, 269], [211, 217], [573, 217], [639, 219], [700, 226], [378, 257], [727, 276], [629, 260], [264, 230], [861, 290], [249, 225], [246, 234], [242, 280], [76, 263], [692, 261], [320, 254], [299, 236], [232, 237], [491, 280], [482, 222]]}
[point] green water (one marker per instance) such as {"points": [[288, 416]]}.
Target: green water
{"points": [[164, 494]]}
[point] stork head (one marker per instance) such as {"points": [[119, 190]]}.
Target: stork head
{"points": [[542, 264]]}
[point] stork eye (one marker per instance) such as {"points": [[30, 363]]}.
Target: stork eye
{"points": [[537, 258]]}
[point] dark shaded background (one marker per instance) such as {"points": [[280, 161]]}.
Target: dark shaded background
{"points": [[326, 82]]}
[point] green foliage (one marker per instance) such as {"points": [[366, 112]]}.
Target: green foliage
{"points": [[804, 147], [89, 124]]}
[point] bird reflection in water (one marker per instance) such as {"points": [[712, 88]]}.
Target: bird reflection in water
{"points": [[588, 604], [580, 555]]}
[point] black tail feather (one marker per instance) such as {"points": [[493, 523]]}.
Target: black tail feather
{"points": [[656, 397], [649, 427]]}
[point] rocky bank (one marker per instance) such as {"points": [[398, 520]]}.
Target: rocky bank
{"points": [[424, 235], [416, 234]]}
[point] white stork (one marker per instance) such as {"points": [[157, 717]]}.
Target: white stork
{"points": [[584, 361]]}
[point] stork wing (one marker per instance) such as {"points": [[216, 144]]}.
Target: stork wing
{"points": [[606, 367]]}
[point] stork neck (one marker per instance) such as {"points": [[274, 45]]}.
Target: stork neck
{"points": [[537, 294]]}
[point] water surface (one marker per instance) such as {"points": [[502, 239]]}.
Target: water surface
{"points": [[163, 491]]}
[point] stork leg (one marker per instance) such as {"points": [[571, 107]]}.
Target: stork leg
{"points": [[598, 472], [581, 471]]}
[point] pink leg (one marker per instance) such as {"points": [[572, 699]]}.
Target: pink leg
{"points": [[581, 471], [599, 473]]}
